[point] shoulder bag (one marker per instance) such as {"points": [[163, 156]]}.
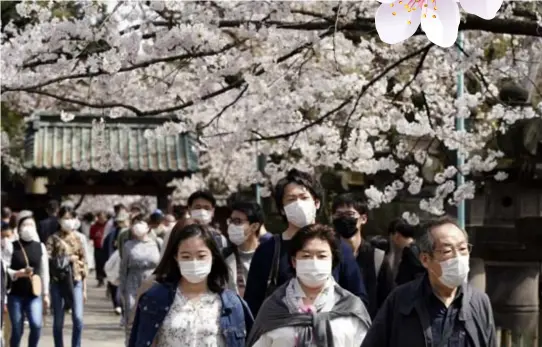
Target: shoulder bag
{"points": [[35, 280]]}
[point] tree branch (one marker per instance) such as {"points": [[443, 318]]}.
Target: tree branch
{"points": [[345, 102], [142, 64]]}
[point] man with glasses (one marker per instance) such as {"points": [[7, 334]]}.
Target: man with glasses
{"points": [[440, 309], [349, 217], [244, 232]]}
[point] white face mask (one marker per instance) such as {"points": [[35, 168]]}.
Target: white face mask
{"points": [[202, 216], [454, 271], [28, 233], [140, 229], [301, 212], [313, 272], [236, 234], [195, 271], [68, 224]]}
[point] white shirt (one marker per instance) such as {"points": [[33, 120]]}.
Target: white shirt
{"points": [[192, 323], [347, 331]]}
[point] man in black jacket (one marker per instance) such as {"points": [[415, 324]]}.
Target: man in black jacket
{"points": [[49, 226], [439, 309], [349, 217]]}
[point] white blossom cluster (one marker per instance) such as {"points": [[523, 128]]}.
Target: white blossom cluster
{"points": [[306, 82]]}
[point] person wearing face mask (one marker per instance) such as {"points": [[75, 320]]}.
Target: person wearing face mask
{"points": [[169, 223], [28, 294], [349, 217], [244, 228], [189, 304], [439, 309], [69, 271], [8, 236], [141, 256], [311, 309], [201, 208], [297, 197]]}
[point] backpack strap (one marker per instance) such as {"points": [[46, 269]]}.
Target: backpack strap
{"points": [[379, 259], [275, 264]]}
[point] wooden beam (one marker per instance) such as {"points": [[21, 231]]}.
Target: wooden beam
{"points": [[110, 190]]}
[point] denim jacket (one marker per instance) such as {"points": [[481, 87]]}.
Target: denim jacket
{"points": [[153, 306]]}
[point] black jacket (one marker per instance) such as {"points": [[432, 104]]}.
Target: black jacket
{"points": [[378, 286], [398, 323]]}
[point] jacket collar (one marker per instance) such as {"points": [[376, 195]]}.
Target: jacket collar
{"points": [[415, 293]]}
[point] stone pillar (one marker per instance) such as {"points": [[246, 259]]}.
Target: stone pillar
{"points": [[477, 274], [513, 290]]}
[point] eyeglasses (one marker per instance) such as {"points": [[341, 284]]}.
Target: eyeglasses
{"points": [[464, 249]]}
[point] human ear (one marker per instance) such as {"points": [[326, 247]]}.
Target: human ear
{"points": [[317, 204], [424, 259]]}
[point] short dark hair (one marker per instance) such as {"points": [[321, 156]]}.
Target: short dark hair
{"points": [[251, 209], [156, 218], [358, 203], [52, 206], [178, 211], [402, 227], [315, 231], [298, 177], [89, 216], [118, 207], [6, 212], [137, 207], [65, 210], [168, 269], [201, 194], [425, 241]]}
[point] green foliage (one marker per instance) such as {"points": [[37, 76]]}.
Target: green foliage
{"points": [[496, 49], [11, 122]]}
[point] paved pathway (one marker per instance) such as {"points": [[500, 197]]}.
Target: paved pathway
{"points": [[101, 324]]}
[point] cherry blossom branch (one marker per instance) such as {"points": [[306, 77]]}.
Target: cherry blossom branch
{"points": [[181, 106], [366, 25], [425, 51], [344, 103], [140, 65], [239, 96], [359, 25]]}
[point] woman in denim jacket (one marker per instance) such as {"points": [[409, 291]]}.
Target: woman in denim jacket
{"points": [[188, 305]]}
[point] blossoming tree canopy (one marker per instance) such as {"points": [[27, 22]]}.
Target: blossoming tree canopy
{"points": [[309, 84]]}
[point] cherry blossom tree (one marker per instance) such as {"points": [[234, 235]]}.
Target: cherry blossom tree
{"points": [[307, 84]]}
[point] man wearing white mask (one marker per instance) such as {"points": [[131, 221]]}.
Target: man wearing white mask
{"points": [[297, 197], [244, 232], [441, 308], [201, 207]]}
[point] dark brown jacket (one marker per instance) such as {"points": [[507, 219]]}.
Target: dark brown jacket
{"points": [[398, 323]]}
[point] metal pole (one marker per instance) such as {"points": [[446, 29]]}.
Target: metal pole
{"points": [[460, 126]]}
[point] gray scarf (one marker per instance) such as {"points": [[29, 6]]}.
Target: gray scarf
{"points": [[316, 327]]}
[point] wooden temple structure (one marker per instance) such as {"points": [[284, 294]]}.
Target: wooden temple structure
{"points": [[65, 158]]}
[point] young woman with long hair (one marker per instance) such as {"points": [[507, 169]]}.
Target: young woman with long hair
{"points": [[189, 305]]}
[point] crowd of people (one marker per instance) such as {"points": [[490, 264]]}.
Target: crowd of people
{"points": [[178, 280]]}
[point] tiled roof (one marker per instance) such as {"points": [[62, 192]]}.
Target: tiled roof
{"points": [[51, 143]]}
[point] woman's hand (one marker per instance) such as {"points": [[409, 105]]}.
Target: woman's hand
{"points": [[74, 258], [46, 302], [85, 296], [22, 273]]}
